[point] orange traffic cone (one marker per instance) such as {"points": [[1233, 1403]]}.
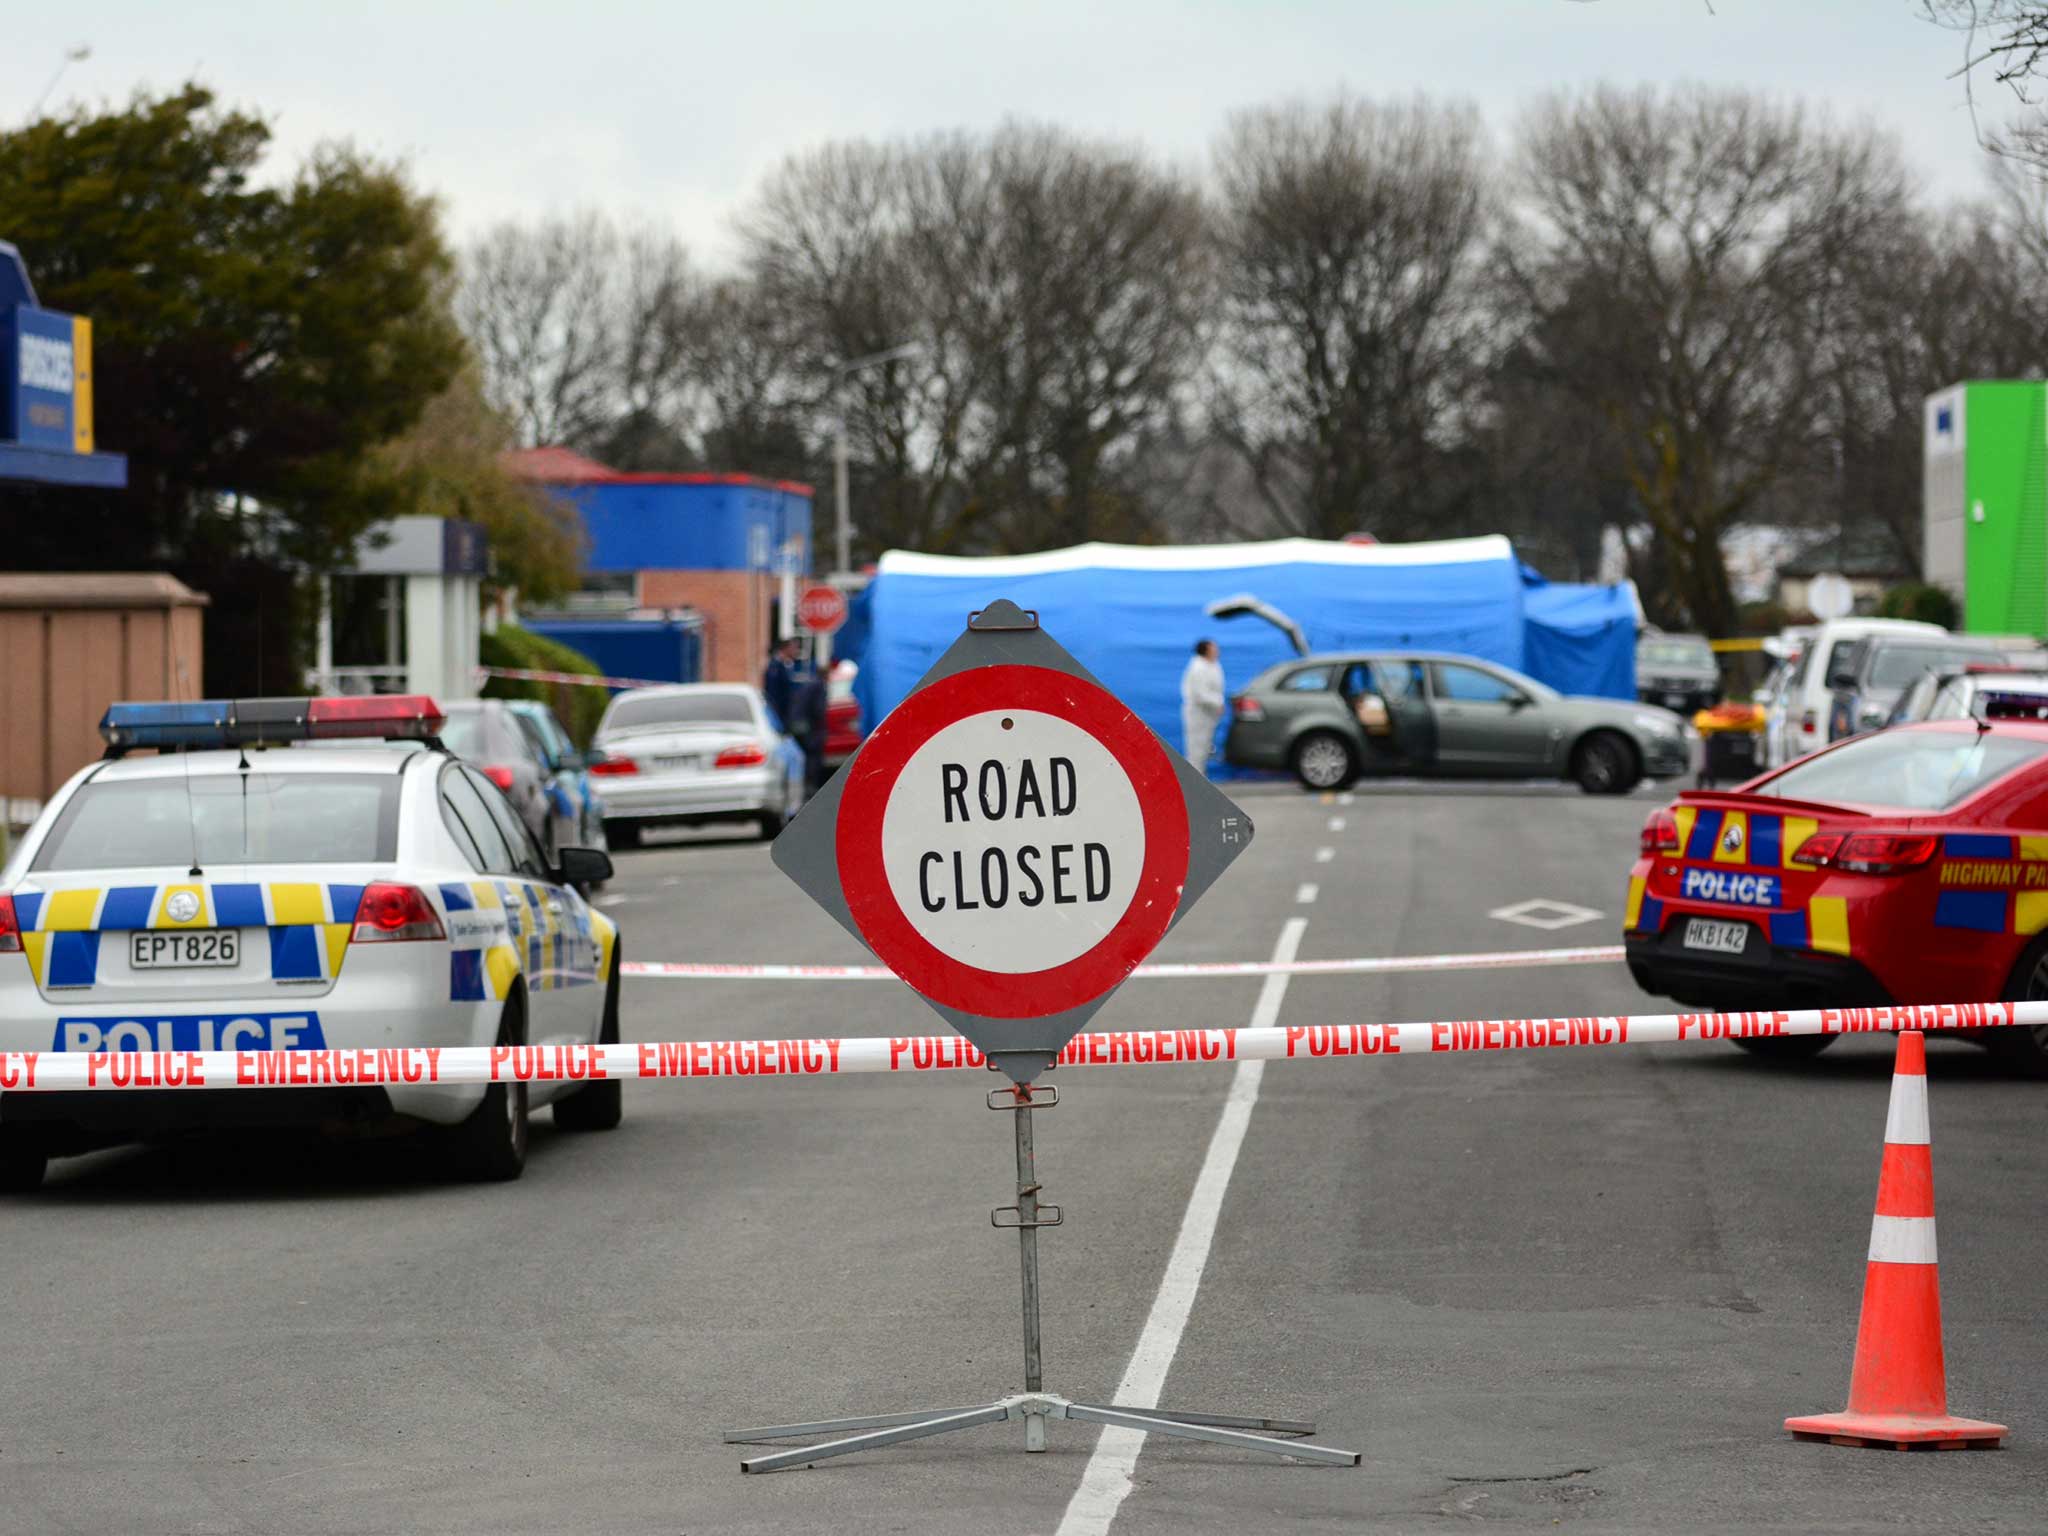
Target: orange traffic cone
{"points": [[1898, 1390]]}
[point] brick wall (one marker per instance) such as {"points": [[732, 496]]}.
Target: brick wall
{"points": [[738, 609]]}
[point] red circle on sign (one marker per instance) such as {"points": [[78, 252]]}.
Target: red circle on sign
{"points": [[821, 609], [873, 775]]}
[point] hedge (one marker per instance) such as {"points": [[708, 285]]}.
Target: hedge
{"points": [[576, 706]]}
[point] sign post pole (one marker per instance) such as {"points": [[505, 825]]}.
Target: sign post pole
{"points": [[1028, 1223], [1012, 841]]}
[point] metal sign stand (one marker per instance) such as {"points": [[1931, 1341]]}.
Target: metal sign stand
{"points": [[1034, 1405]]}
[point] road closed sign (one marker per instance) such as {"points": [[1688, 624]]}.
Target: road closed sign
{"points": [[1012, 841]]}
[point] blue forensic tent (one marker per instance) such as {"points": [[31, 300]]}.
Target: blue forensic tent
{"points": [[1581, 639], [1132, 614]]}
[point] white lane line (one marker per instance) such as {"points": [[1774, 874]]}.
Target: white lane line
{"points": [[1305, 893], [1324, 855], [1346, 798], [1106, 1482], [612, 901], [1336, 823]]}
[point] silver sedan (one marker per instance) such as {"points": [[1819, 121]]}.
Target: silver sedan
{"points": [[694, 753]]}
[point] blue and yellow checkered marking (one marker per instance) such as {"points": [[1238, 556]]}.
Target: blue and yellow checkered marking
{"points": [[307, 923], [551, 949], [1993, 883], [1767, 842], [1977, 845]]}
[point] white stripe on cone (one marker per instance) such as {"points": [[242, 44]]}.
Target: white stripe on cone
{"points": [[1902, 1239], [1906, 1124]]}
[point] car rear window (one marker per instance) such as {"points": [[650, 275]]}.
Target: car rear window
{"points": [[1910, 770], [481, 737], [1675, 653], [226, 818], [1898, 666], [680, 709]]}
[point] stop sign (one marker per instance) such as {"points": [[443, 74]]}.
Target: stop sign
{"points": [[1011, 841], [821, 609]]}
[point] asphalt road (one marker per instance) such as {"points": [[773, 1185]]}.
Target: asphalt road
{"points": [[1539, 1289]]}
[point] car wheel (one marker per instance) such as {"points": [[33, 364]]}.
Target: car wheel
{"points": [[598, 1106], [1605, 764], [1323, 760], [621, 835], [490, 1146], [2025, 1046], [1788, 1047], [771, 824], [22, 1161]]}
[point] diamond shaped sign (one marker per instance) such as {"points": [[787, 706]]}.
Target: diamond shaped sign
{"points": [[1012, 841]]}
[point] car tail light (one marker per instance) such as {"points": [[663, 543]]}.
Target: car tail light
{"points": [[1819, 850], [390, 912], [748, 754], [500, 776], [1248, 708], [1868, 853], [1886, 853], [1660, 833], [614, 767], [10, 929], [1809, 722]]}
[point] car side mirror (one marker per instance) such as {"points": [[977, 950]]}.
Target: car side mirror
{"points": [[583, 866], [1519, 701]]}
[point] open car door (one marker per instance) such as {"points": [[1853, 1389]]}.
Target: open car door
{"points": [[1244, 605]]}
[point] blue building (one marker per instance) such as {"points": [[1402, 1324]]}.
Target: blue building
{"points": [[731, 547]]}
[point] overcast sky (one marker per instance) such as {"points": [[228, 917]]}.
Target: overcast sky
{"points": [[509, 109]]}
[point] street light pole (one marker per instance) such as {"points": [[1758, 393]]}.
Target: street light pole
{"points": [[845, 564], [845, 372], [74, 55]]}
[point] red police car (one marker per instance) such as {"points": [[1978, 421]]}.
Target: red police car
{"points": [[1907, 866]]}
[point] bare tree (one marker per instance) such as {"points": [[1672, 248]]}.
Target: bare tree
{"points": [[1053, 290], [653, 311], [1347, 235], [2007, 40], [537, 304], [1702, 239]]}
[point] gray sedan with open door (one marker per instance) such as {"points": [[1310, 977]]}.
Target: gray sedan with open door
{"points": [[1330, 720]]}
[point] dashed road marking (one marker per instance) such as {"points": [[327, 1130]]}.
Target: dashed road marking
{"points": [[1324, 855], [1345, 798], [1305, 893], [1336, 823], [1106, 1482]]}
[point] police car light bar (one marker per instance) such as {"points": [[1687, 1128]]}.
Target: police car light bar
{"points": [[206, 723], [2011, 706]]}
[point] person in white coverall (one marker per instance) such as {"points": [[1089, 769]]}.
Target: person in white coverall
{"points": [[1201, 702]]}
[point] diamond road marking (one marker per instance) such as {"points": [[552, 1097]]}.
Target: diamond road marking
{"points": [[1547, 915]]}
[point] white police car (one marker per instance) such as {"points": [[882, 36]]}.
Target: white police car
{"points": [[225, 895]]}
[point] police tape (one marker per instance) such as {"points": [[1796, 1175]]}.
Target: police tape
{"points": [[1500, 959], [574, 679], [412, 1066]]}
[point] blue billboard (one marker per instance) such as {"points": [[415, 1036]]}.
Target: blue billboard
{"points": [[49, 397], [46, 390]]}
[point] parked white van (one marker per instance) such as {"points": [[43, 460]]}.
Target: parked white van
{"points": [[1799, 724]]}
